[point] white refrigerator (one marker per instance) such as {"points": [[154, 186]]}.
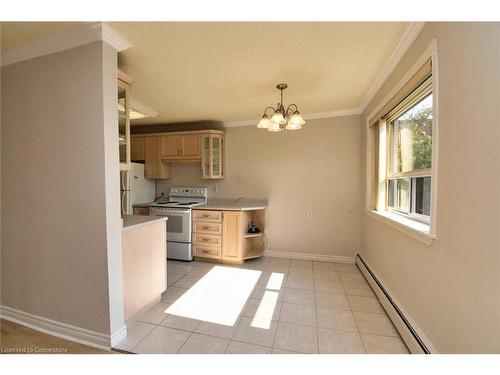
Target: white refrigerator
{"points": [[135, 188]]}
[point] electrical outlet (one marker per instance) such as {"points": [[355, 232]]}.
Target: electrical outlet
{"points": [[215, 188], [309, 213]]}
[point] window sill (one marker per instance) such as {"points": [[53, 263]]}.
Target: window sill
{"points": [[413, 228]]}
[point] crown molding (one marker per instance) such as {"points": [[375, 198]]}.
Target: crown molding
{"points": [[114, 38], [72, 38], [411, 33], [138, 106], [339, 113], [307, 116]]}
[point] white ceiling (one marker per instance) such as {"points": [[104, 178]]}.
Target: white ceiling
{"points": [[228, 71]]}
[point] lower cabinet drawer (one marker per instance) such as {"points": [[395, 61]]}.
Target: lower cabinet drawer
{"points": [[207, 227], [206, 252], [205, 215], [141, 210], [207, 240]]}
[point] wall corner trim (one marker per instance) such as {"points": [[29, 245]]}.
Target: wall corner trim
{"points": [[411, 333], [411, 33], [63, 330], [72, 38], [118, 336]]}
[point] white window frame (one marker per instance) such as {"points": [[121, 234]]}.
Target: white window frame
{"points": [[416, 226], [411, 176]]}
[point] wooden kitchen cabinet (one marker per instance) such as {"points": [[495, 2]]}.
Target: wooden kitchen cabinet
{"points": [[190, 147], [137, 149], [207, 235], [153, 165], [222, 235], [170, 147], [232, 234], [212, 156], [181, 148], [159, 150], [141, 211]]}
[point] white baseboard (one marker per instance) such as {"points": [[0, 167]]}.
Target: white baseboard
{"points": [[63, 330], [411, 333], [310, 256], [118, 336]]}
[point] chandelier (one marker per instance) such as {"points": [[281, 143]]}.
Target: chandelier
{"points": [[289, 119]]}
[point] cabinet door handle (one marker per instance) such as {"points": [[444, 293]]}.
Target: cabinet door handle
{"points": [[205, 251], [206, 215], [205, 239], [205, 227]]}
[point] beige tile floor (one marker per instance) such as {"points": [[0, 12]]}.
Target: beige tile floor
{"points": [[320, 307]]}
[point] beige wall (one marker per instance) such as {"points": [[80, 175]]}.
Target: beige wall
{"points": [[451, 289], [60, 221], [317, 168]]}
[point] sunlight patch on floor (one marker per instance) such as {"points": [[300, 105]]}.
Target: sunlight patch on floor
{"points": [[218, 297], [265, 311], [275, 281]]}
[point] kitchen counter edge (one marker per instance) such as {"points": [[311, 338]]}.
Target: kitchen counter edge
{"points": [[135, 221], [242, 205]]}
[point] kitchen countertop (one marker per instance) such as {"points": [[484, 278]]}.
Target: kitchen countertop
{"points": [[237, 204], [135, 221]]}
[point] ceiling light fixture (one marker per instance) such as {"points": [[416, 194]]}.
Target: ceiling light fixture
{"points": [[289, 119]]}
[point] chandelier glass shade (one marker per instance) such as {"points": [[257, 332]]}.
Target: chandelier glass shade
{"points": [[281, 118]]}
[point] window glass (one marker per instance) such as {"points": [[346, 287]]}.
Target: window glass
{"points": [[411, 138], [423, 196], [399, 194]]}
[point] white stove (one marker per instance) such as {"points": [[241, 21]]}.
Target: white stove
{"points": [[178, 210], [183, 197]]}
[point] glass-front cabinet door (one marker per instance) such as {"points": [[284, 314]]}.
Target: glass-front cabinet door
{"points": [[212, 156], [124, 124], [205, 157], [216, 156]]}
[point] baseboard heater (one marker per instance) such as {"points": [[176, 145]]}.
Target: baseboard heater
{"points": [[408, 332]]}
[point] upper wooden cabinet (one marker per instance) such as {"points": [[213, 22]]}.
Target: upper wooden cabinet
{"points": [[181, 147], [137, 149], [153, 166], [170, 147], [212, 157], [190, 147], [124, 82], [203, 146]]}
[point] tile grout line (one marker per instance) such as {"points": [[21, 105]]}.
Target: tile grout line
{"points": [[355, 320], [177, 352], [240, 317], [316, 310], [279, 316], [184, 343]]}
